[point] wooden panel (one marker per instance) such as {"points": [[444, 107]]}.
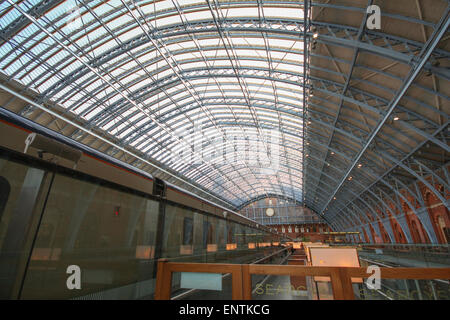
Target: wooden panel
{"points": [[242, 285]]}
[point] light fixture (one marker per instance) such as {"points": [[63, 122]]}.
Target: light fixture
{"points": [[396, 118], [315, 35]]}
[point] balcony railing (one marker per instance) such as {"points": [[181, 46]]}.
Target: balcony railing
{"points": [[341, 277]]}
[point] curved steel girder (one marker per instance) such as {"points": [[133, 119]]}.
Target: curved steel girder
{"points": [[346, 36], [396, 162], [408, 155], [377, 201], [161, 69], [148, 91], [326, 90], [313, 177], [343, 132], [423, 57], [380, 179], [364, 133], [223, 124], [66, 97], [271, 195], [415, 100], [397, 192], [215, 139], [405, 158], [252, 192], [369, 206], [357, 139], [363, 10], [347, 217], [226, 169], [237, 201], [394, 189], [335, 89], [361, 104], [249, 23], [390, 146], [43, 6], [208, 101], [21, 22], [346, 221], [186, 168], [73, 54], [406, 188], [103, 118]]}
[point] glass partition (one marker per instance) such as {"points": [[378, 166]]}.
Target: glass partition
{"points": [[67, 235], [107, 233]]}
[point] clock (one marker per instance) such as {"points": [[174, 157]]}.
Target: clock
{"points": [[270, 212]]}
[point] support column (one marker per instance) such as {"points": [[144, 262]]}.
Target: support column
{"points": [[424, 218], [404, 225], [363, 237], [369, 234], [376, 227], [387, 226]]}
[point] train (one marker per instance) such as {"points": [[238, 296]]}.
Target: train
{"points": [[77, 207]]}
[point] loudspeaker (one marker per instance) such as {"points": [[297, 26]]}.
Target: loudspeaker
{"points": [[159, 188]]}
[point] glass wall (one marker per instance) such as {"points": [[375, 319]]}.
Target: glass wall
{"points": [[66, 235], [22, 195], [108, 234]]}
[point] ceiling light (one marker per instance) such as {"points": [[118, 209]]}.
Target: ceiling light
{"points": [[396, 118], [315, 35]]}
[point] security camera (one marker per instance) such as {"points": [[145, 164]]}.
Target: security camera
{"points": [[51, 146]]}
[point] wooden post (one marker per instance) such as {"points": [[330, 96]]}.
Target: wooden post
{"points": [[246, 282], [342, 284], [236, 293], [346, 284], [163, 281]]}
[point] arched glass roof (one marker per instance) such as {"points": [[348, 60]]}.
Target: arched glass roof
{"points": [[209, 89], [245, 99]]}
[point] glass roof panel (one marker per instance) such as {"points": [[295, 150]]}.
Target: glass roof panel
{"points": [[209, 101]]}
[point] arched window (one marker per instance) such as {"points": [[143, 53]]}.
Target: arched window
{"points": [[5, 189]]}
